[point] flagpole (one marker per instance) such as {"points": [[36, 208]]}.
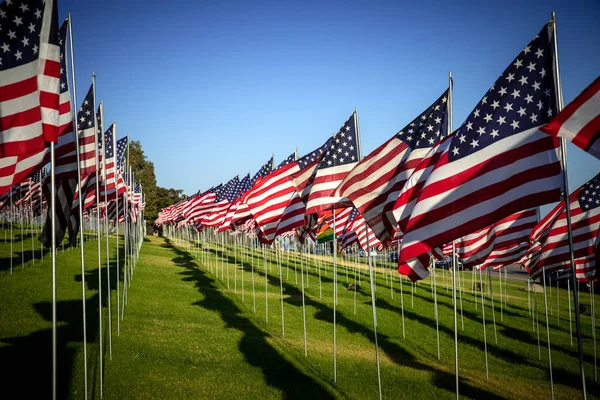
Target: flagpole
{"points": [[98, 233], [454, 264], [52, 206], [116, 155], [334, 301], [563, 153], [548, 334], [104, 178], [81, 226]]}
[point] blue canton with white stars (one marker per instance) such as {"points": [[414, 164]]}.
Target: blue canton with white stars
{"points": [[121, 148], [291, 158], [20, 28], [109, 151], [314, 155], [262, 172], [344, 147], [62, 41], [226, 192], [85, 117], [429, 127], [522, 98], [99, 127], [589, 197]]}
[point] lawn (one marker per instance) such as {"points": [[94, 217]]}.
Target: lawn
{"points": [[194, 329]]}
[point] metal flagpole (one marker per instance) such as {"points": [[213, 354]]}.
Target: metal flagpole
{"points": [[81, 222], [570, 320], [98, 236], [117, 221], [493, 310], [548, 333], [563, 148], [52, 206], [303, 306], [266, 286], [280, 291], [373, 304], [108, 293], [435, 309], [454, 263], [483, 319], [334, 301], [253, 292], [12, 216], [401, 294], [592, 295]]}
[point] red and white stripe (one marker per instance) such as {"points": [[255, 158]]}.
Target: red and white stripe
{"points": [[550, 246], [475, 249], [579, 121], [517, 172], [269, 198]]}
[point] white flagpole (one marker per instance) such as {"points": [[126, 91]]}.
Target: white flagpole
{"points": [[52, 206], [563, 152], [303, 307], [12, 216], [108, 293], [493, 310], [98, 235], [81, 223], [483, 319], [334, 301], [548, 333], [115, 154]]}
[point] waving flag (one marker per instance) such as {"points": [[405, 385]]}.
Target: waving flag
{"points": [[109, 187], [223, 200], [66, 164], [341, 156], [375, 182], [549, 238], [31, 100], [579, 121], [242, 211], [495, 164], [294, 215], [510, 234]]}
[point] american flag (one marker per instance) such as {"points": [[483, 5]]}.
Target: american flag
{"points": [[242, 211], [29, 77], [198, 206], [360, 228], [223, 199], [495, 164], [339, 159], [121, 150], [510, 234], [242, 187], [29, 88], [108, 188], [66, 165], [374, 183], [294, 215], [342, 227], [579, 122], [549, 238], [269, 197]]}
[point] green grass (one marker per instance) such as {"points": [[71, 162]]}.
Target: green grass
{"points": [[188, 333]]}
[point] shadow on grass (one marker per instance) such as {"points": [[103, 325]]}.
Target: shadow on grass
{"points": [[398, 354], [278, 371]]}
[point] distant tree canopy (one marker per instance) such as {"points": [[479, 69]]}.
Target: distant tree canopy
{"points": [[143, 171]]}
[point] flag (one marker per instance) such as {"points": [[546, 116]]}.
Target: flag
{"points": [[510, 234], [495, 164], [109, 186], [198, 206], [341, 156], [64, 193], [242, 211], [269, 197], [223, 200], [30, 103], [121, 149], [579, 121], [29, 77], [66, 164], [549, 238], [374, 183], [294, 214]]}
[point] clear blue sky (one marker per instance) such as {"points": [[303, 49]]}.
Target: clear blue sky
{"points": [[212, 88]]}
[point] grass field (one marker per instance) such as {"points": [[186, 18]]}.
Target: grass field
{"points": [[189, 332]]}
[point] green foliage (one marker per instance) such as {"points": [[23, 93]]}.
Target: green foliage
{"points": [[156, 196]]}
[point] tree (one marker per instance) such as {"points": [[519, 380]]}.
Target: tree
{"points": [[143, 170]]}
